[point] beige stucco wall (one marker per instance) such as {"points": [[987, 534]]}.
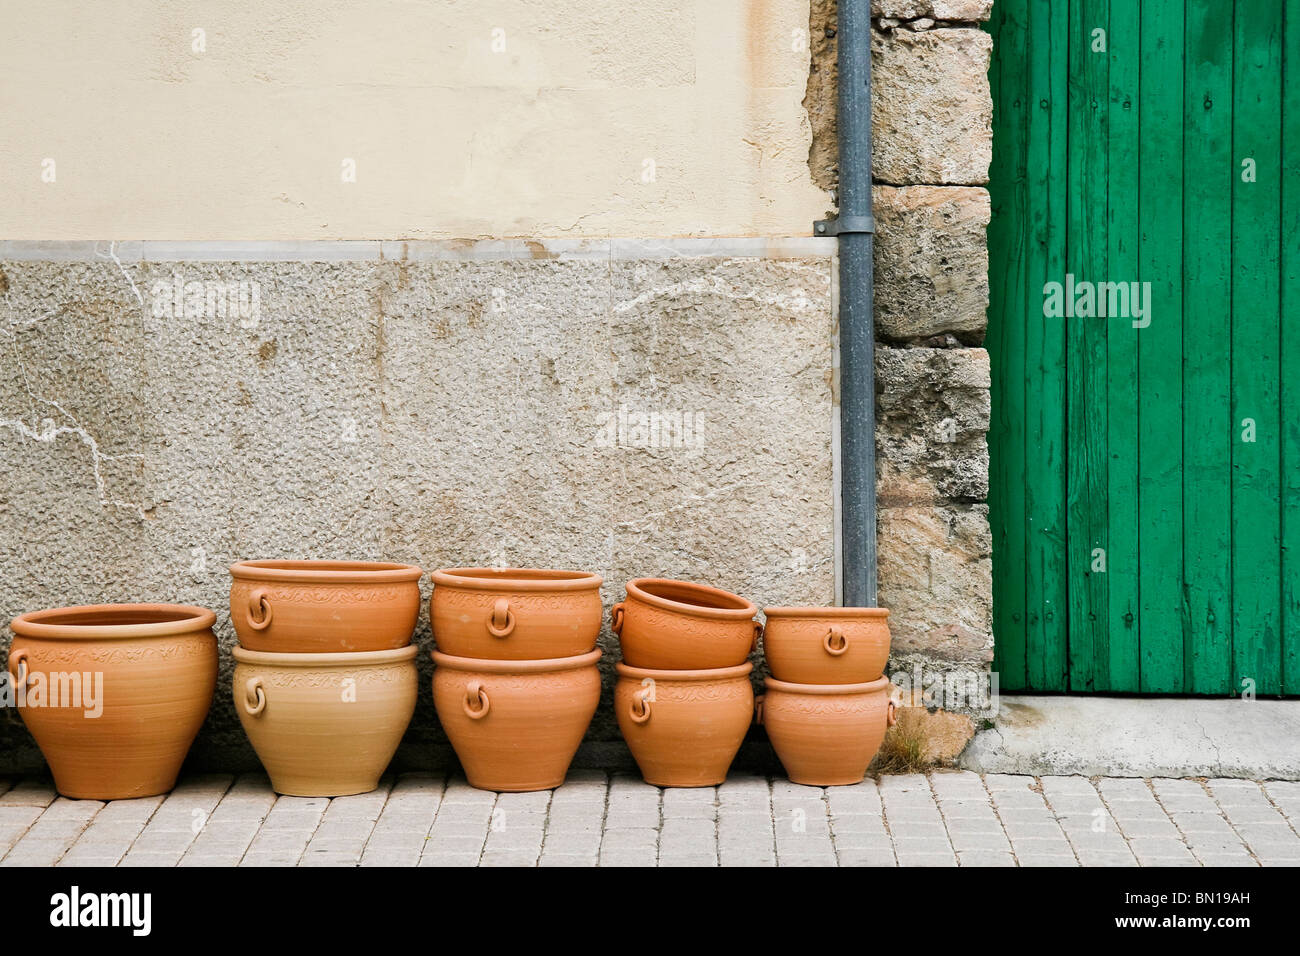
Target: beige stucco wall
{"points": [[551, 136]]}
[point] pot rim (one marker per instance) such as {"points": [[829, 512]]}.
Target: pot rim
{"points": [[394, 655], [535, 666], [636, 588], [516, 579], [175, 619], [871, 613], [788, 687], [708, 673], [325, 572]]}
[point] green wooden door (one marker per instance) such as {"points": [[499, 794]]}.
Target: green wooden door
{"points": [[1145, 447]]}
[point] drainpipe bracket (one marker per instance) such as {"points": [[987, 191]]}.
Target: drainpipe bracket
{"points": [[845, 225]]}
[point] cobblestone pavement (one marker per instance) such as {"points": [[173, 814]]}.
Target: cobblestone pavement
{"points": [[943, 819]]}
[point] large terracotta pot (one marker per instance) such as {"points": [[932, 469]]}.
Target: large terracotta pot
{"points": [[684, 727], [325, 725], [826, 645], [322, 607], [826, 734], [150, 669], [515, 614], [679, 625], [515, 725]]}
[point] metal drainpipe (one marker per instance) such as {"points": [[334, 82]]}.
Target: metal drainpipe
{"points": [[855, 228]]}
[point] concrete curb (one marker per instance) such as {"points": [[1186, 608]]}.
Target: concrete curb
{"points": [[1140, 737]]}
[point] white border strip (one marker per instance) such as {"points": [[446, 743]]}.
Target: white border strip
{"points": [[452, 250]]}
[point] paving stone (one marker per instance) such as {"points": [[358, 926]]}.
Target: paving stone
{"points": [[984, 858], [111, 833], [53, 833], [224, 836], [284, 835], [630, 838], [28, 793], [940, 819]]}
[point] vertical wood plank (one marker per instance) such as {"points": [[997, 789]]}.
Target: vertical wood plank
{"points": [[1045, 399], [1160, 348], [1007, 357], [1256, 227], [1122, 558], [1089, 67], [1207, 424], [1290, 404]]}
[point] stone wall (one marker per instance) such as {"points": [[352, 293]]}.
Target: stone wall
{"points": [[932, 143]]}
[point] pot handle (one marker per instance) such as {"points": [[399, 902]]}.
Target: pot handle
{"points": [[502, 620], [640, 706], [758, 708], [835, 642], [254, 696], [259, 609], [891, 715], [759, 630], [18, 665], [616, 619], [474, 691]]}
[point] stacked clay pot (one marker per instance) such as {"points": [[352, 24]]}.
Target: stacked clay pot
{"points": [[515, 681], [683, 698], [325, 678], [114, 694], [827, 704]]}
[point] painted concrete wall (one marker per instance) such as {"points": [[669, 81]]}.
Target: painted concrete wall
{"points": [[462, 119]]}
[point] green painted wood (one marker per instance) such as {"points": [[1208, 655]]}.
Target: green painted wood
{"points": [[1160, 439], [997, 251], [1086, 260], [1046, 592], [1129, 440], [1290, 349], [1006, 345], [1123, 616], [1256, 336], [1207, 425]]}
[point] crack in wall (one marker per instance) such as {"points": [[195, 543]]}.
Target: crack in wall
{"points": [[47, 431], [50, 432]]}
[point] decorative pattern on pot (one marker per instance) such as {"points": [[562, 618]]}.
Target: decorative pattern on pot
{"points": [[321, 607], [114, 694], [673, 625], [515, 725], [826, 645], [826, 734], [515, 614], [325, 725], [684, 727]]}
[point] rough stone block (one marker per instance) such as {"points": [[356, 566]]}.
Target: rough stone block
{"points": [[932, 421], [932, 112], [931, 103], [936, 579], [931, 262], [938, 9]]}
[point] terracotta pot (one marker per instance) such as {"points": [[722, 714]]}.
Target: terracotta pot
{"points": [[678, 625], [826, 734], [325, 725], [323, 607], [114, 693], [515, 725], [826, 645], [515, 614], [684, 727]]}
